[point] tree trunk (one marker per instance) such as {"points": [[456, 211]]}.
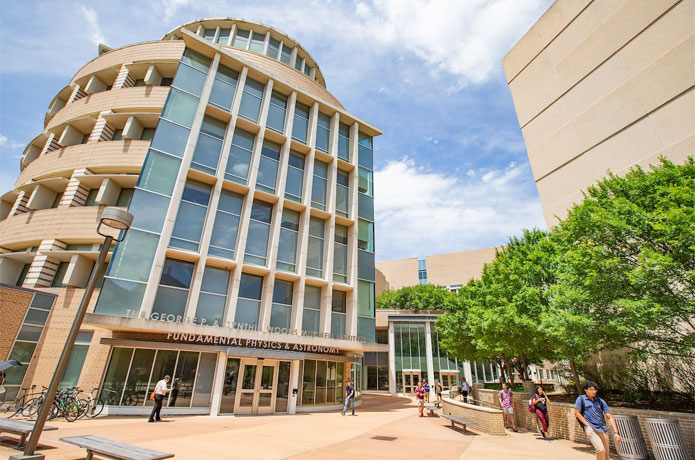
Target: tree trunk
{"points": [[575, 374], [508, 365]]}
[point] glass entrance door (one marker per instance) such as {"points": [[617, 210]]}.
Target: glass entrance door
{"points": [[410, 381], [257, 381], [449, 380], [231, 379]]}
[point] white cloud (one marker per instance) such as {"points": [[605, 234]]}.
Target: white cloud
{"points": [[420, 212], [6, 143], [92, 19]]}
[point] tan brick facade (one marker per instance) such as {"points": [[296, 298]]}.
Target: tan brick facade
{"points": [[13, 306], [490, 421]]}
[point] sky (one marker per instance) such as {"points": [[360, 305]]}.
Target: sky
{"points": [[451, 170]]}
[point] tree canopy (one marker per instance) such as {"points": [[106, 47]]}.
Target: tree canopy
{"points": [[417, 298]]}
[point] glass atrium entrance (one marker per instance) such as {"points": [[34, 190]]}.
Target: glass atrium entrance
{"points": [[255, 386], [410, 381]]}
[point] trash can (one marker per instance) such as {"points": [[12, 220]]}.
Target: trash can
{"points": [[666, 439], [632, 446]]}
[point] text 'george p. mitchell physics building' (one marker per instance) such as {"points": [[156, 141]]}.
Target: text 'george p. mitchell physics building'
{"points": [[248, 272]]}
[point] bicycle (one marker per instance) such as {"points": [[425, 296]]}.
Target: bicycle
{"points": [[19, 404], [94, 405]]}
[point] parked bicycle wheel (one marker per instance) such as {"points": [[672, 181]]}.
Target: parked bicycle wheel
{"points": [[83, 405], [71, 410], [96, 407], [31, 408]]}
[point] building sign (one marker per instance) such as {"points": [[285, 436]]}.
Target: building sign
{"points": [[202, 339], [171, 318]]}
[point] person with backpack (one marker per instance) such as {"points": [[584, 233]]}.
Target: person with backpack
{"points": [[591, 413], [539, 405]]}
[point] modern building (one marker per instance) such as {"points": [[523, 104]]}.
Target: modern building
{"points": [[248, 272], [603, 85]]}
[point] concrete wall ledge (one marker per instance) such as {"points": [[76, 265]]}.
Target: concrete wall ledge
{"points": [[488, 420]]}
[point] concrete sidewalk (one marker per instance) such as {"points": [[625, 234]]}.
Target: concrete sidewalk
{"points": [[384, 428]]}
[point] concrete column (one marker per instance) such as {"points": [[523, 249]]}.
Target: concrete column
{"points": [[232, 34], [43, 268], [294, 384], [78, 271], [94, 85], [468, 373], [428, 350], [41, 198], [153, 77], [392, 359], [70, 136], [133, 129], [218, 384], [108, 192]]}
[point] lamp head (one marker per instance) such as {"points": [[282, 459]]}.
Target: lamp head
{"points": [[115, 218]]}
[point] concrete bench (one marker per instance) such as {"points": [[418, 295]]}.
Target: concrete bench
{"points": [[114, 449], [432, 409], [459, 420], [21, 428]]}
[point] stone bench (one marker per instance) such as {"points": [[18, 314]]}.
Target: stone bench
{"points": [[21, 428], [459, 420], [114, 449], [432, 409]]}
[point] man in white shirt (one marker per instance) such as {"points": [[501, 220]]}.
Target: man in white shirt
{"points": [[160, 390], [464, 388]]}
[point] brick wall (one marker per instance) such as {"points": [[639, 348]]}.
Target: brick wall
{"points": [[13, 306], [490, 421], [563, 423]]}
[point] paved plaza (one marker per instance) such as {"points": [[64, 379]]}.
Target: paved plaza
{"points": [[384, 428]]}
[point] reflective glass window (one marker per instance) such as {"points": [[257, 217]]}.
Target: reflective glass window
{"points": [[149, 210], [190, 218], [251, 99], [132, 259], [209, 34], [180, 108], [340, 251], [119, 297], [239, 156], [301, 122], [295, 177], [323, 131], [365, 235], [207, 150], [342, 196], [189, 79], [314, 260], [225, 230], [170, 138], [273, 48], [312, 308], [344, 141], [365, 298], [241, 39], [223, 37], [276, 112], [248, 304], [365, 206], [286, 54], [196, 60], [259, 230], [365, 151], [223, 87], [172, 293], [319, 185], [365, 181], [287, 246], [282, 304], [268, 167], [213, 296], [257, 42], [159, 173], [365, 265]]}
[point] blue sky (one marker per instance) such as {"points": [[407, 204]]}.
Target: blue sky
{"points": [[451, 167]]}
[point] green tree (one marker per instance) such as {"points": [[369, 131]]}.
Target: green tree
{"points": [[502, 317], [417, 298], [626, 277]]}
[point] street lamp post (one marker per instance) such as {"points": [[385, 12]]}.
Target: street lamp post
{"points": [[113, 218]]}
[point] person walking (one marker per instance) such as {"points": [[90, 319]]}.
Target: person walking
{"points": [[159, 391], [439, 391], [349, 397], [540, 405], [426, 386], [420, 395], [592, 411], [464, 388], [506, 398]]}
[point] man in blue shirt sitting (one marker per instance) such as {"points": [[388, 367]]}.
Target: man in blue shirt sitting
{"points": [[591, 411]]}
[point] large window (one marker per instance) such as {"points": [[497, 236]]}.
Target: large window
{"points": [[133, 373], [323, 132], [285, 54], [251, 100], [314, 258], [366, 181], [268, 167], [223, 37], [239, 156], [340, 252], [192, 71], [344, 142], [301, 123], [342, 193], [224, 233], [295, 177], [319, 185], [28, 338], [213, 296], [223, 88], [338, 313], [172, 293], [365, 235], [76, 360], [257, 42], [366, 152], [207, 150], [249, 302], [321, 383], [259, 230], [312, 308], [276, 112], [241, 39], [190, 219], [281, 311], [273, 48], [287, 246]]}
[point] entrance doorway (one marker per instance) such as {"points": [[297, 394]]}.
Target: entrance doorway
{"points": [[449, 379], [410, 381], [255, 386]]}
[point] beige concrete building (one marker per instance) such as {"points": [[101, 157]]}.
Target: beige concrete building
{"points": [[603, 85], [451, 270], [248, 272]]}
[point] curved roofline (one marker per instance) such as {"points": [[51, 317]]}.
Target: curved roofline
{"points": [[222, 18]]}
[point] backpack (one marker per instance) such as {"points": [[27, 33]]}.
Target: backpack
{"points": [[581, 411], [531, 406]]}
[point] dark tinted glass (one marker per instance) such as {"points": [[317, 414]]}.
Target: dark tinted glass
{"points": [[177, 273], [250, 286]]}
